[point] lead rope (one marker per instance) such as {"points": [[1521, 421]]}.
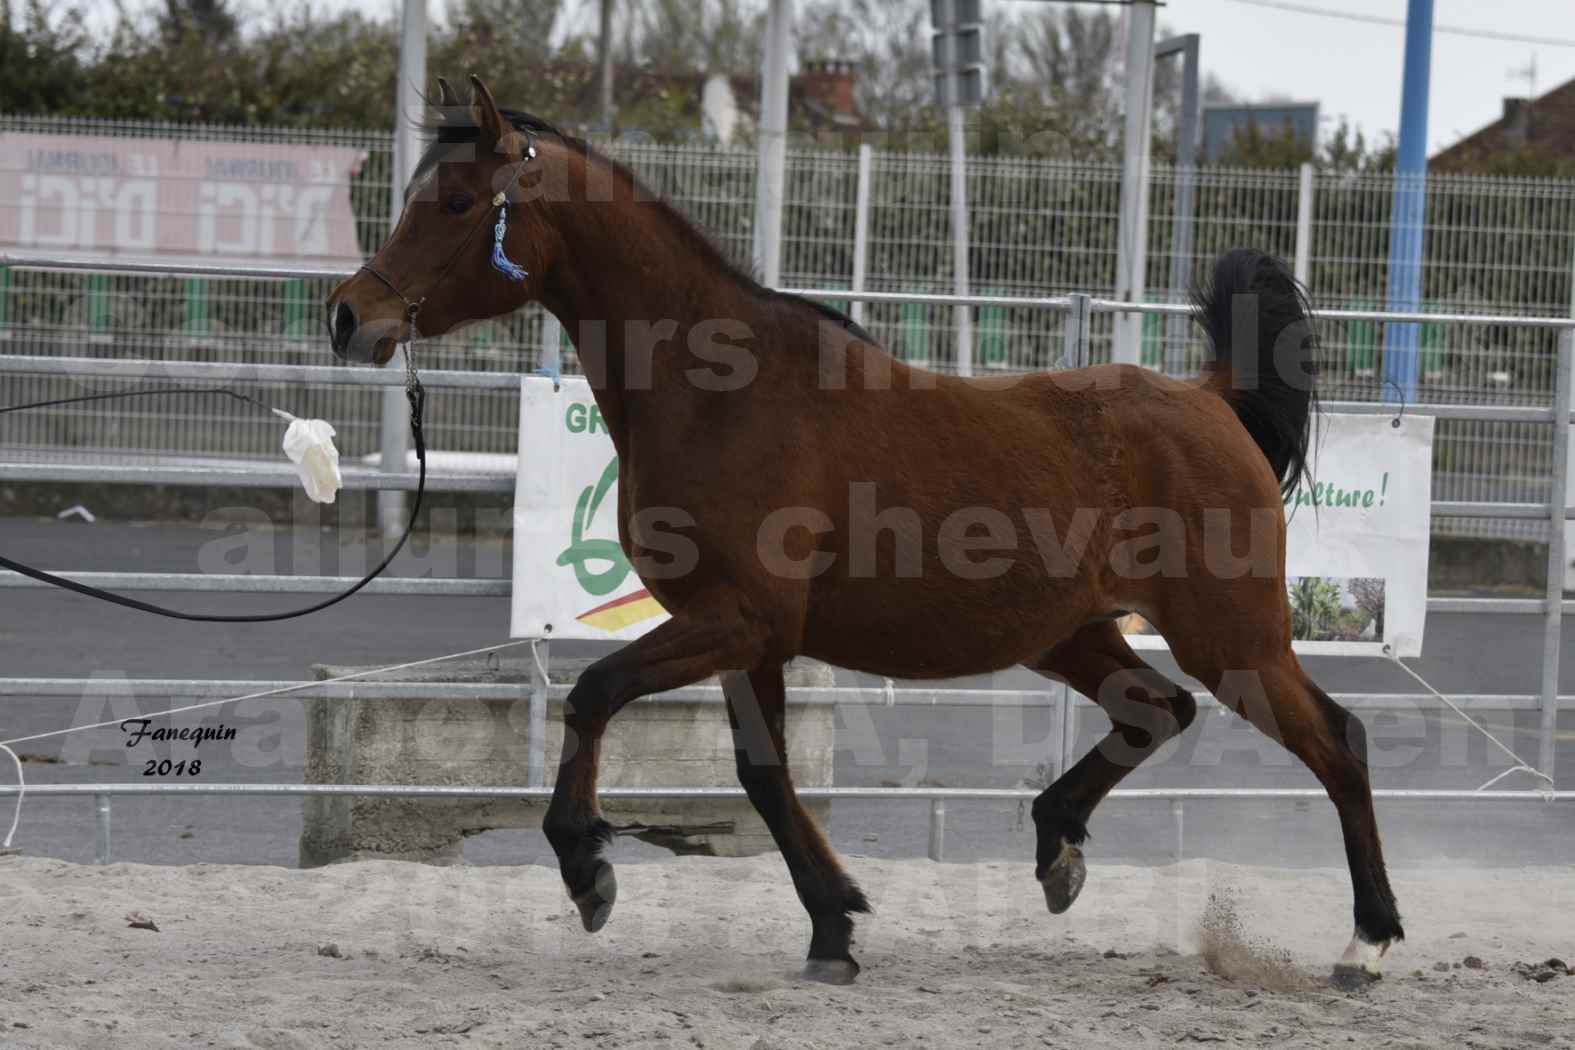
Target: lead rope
{"points": [[1520, 766], [5, 745], [415, 393]]}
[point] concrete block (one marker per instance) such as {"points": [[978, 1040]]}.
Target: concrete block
{"points": [[652, 743]]}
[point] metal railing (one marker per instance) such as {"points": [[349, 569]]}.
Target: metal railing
{"points": [[1554, 511], [936, 797], [1478, 457], [880, 220]]}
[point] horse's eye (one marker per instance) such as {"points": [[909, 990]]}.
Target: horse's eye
{"points": [[460, 204]]}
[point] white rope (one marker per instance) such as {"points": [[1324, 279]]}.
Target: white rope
{"points": [[21, 789], [541, 666], [298, 687], [1520, 766]]}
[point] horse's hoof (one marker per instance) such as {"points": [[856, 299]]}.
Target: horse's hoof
{"points": [[1063, 880], [1361, 965], [1353, 978], [831, 971], [596, 903]]}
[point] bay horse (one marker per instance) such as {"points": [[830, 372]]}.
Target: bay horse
{"points": [[756, 432]]}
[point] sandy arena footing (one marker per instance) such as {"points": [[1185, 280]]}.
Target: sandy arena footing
{"points": [[705, 952]]}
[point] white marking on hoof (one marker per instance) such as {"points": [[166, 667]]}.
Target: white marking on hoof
{"points": [[1362, 959]]}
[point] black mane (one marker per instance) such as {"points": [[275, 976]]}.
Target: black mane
{"points": [[455, 132]]}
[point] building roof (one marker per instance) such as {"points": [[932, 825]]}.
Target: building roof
{"points": [[1544, 127]]}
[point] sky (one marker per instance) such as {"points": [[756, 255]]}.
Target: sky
{"points": [[1354, 68], [1351, 68]]}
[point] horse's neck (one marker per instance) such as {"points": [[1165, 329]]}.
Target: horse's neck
{"points": [[630, 290]]}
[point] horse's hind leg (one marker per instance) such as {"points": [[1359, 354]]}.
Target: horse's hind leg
{"points": [[1281, 700], [757, 708], [1146, 709]]}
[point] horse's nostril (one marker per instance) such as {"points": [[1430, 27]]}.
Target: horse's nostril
{"points": [[343, 326]]}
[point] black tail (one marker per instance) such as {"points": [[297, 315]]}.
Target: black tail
{"points": [[1258, 318]]}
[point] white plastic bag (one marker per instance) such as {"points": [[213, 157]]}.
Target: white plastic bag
{"points": [[310, 445]]}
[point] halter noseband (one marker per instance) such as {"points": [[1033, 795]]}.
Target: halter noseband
{"points": [[500, 261]]}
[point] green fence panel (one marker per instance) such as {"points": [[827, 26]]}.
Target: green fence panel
{"points": [[196, 306], [913, 338], [100, 310], [1152, 351], [1361, 340], [993, 337], [1434, 350], [295, 309], [841, 306], [481, 337]]}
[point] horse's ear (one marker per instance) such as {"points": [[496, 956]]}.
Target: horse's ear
{"points": [[492, 123], [448, 98]]}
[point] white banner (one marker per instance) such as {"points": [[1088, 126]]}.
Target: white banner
{"points": [[93, 197], [1356, 563], [571, 579], [1356, 550]]}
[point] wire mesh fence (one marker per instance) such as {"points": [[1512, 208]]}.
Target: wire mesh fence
{"points": [[1036, 228]]}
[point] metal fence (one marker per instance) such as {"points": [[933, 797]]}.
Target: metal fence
{"points": [[935, 798], [1077, 347], [1038, 228]]}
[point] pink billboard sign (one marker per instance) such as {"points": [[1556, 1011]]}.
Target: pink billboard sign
{"points": [[172, 200]]}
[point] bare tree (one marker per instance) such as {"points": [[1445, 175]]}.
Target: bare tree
{"points": [[214, 20], [1075, 62], [1368, 592], [519, 32], [713, 36]]}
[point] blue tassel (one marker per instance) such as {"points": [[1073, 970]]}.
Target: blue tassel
{"points": [[500, 262]]}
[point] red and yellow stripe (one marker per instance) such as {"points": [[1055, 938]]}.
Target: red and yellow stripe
{"points": [[622, 612]]}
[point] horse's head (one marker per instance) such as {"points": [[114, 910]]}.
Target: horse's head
{"points": [[437, 271]]}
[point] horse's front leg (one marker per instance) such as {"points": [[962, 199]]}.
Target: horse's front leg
{"points": [[685, 649]]}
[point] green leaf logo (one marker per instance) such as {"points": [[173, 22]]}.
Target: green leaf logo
{"points": [[583, 550]]}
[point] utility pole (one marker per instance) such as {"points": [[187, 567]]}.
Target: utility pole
{"points": [[604, 60], [394, 431], [1186, 181], [772, 173], [1132, 226], [957, 50], [1410, 205]]}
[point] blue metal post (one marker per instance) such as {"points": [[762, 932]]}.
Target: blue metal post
{"points": [[1410, 204]]}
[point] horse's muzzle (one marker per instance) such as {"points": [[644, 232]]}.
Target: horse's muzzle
{"points": [[358, 342]]}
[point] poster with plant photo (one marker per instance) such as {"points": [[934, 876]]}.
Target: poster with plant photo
{"points": [[1357, 537]]}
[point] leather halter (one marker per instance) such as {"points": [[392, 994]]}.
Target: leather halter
{"points": [[500, 200]]}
